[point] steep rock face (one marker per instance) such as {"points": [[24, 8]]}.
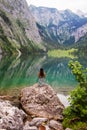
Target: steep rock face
{"points": [[60, 27], [80, 32], [17, 26], [45, 16]]}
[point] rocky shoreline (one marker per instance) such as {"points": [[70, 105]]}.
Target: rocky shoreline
{"points": [[37, 108]]}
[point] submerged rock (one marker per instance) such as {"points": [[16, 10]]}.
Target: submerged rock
{"points": [[41, 102], [11, 118]]}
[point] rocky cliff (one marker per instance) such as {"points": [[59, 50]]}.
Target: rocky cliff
{"points": [[59, 27], [18, 29]]}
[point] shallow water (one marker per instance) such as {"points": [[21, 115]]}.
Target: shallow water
{"points": [[64, 99]]}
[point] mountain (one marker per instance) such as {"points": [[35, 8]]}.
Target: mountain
{"points": [[59, 27], [18, 30], [26, 29], [81, 14]]}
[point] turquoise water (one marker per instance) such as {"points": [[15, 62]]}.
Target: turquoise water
{"points": [[16, 73]]}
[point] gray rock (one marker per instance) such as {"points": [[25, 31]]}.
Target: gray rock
{"points": [[55, 125], [41, 102], [11, 118], [35, 124], [28, 127], [37, 121]]}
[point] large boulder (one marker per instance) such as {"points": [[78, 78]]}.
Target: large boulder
{"points": [[11, 118], [41, 102]]}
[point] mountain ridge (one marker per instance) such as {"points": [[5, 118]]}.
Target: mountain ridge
{"points": [[60, 27]]}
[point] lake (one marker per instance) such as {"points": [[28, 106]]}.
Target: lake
{"points": [[16, 73]]}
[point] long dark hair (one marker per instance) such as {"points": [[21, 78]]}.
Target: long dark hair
{"points": [[41, 73]]}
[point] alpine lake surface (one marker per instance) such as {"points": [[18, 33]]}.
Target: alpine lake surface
{"points": [[19, 72]]}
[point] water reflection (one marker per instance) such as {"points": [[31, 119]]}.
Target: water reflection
{"points": [[19, 72], [58, 73]]}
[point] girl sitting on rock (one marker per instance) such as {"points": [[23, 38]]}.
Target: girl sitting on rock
{"points": [[41, 76]]}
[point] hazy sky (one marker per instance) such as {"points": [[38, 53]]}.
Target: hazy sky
{"points": [[61, 4]]}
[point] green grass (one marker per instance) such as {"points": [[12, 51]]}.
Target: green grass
{"points": [[62, 53]]}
